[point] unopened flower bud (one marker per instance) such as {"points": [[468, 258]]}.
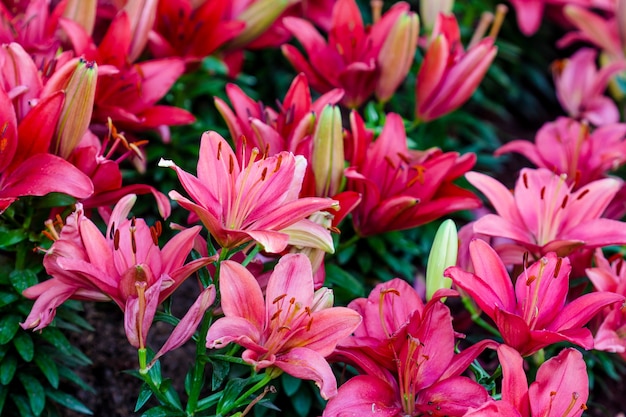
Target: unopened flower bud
{"points": [[82, 12], [429, 9], [328, 153], [80, 91], [442, 255], [142, 14], [397, 54], [322, 299], [259, 16]]}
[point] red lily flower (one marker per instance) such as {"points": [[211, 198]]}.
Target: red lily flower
{"points": [[292, 329], [533, 314], [26, 167], [250, 203], [449, 75], [403, 188], [426, 376], [561, 387], [544, 215], [125, 265], [351, 59], [191, 33]]}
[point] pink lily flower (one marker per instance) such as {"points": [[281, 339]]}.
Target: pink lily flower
{"points": [[404, 188], [572, 148], [250, 203], [580, 87], [351, 59], [292, 329], [544, 215], [532, 314], [610, 275], [561, 387], [425, 379], [449, 75], [125, 265]]}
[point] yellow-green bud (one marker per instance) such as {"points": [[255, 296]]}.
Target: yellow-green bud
{"points": [[442, 255], [328, 153]]}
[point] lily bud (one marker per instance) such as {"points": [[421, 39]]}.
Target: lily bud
{"points": [[142, 15], [80, 91], [397, 54], [82, 12], [328, 156], [430, 9], [322, 299], [442, 255], [258, 17]]}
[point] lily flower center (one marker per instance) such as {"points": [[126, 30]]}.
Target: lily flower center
{"points": [[531, 311], [291, 317], [408, 368]]}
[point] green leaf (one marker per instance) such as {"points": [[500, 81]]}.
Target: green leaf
{"points": [[161, 411], [35, 392], [69, 374], [7, 298], [68, 401], [232, 391], [48, 367], [8, 327], [22, 279], [144, 395], [290, 384], [9, 237], [57, 339], [302, 402], [4, 390], [22, 405], [336, 277], [24, 345], [220, 372], [7, 369]]}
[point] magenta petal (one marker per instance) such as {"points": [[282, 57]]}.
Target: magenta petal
{"points": [[514, 382], [45, 173], [234, 329], [581, 310], [451, 397], [53, 295], [363, 395], [561, 387]]}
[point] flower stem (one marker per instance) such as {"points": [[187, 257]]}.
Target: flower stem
{"points": [[475, 314], [268, 376], [197, 381]]}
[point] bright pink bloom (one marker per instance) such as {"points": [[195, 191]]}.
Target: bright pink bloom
{"points": [[404, 188], [424, 377], [610, 275], [250, 203], [291, 329], [561, 387], [125, 265], [449, 75], [580, 87], [544, 214], [532, 314], [569, 147], [351, 57]]}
